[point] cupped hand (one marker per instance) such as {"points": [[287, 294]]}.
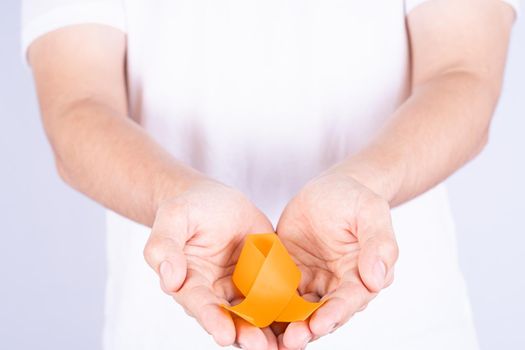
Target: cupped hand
{"points": [[194, 246], [339, 232]]}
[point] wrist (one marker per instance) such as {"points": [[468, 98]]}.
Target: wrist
{"points": [[170, 185], [382, 174]]}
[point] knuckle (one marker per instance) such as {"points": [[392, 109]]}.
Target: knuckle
{"points": [[395, 250], [386, 247], [389, 248], [147, 252], [152, 251]]}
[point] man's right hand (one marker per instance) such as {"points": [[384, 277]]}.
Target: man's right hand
{"points": [[198, 230], [194, 245]]}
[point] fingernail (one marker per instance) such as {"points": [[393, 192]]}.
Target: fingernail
{"points": [[380, 273], [166, 273], [239, 345], [334, 327]]}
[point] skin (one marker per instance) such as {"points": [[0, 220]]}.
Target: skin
{"points": [[337, 227]]}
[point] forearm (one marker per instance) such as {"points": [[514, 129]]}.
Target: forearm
{"points": [[112, 160], [439, 128]]}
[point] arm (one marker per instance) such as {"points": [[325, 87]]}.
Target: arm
{"points": [[338, 226], [458, 56], [197, 223], [81, 85]]}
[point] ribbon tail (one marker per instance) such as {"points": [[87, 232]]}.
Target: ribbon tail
{"points": [[297, 309]]}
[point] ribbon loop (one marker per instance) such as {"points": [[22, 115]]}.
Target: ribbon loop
{"points": [[268, 277]]}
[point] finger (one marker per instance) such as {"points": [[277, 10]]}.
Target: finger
{"points": [[164, 249], [284, 347], [246, 333], [217, 322], [341, 304], [249, 336], [270, 338], [376, 261], [379, 250], [168, 260], [200, 302], [297, 335], [281, 344]]}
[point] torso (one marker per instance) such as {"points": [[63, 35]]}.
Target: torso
{"points": [[264, 95]]}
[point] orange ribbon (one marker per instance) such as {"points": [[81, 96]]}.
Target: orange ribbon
{"points": [[268, 277]]}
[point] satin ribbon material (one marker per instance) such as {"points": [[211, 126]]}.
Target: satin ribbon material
{"points": [[268, 278]]}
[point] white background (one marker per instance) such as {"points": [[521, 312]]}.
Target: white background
{"points": [[52, 240]]}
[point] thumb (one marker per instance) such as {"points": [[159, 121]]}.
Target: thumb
{"points": [[164, 254], [377, 257]]}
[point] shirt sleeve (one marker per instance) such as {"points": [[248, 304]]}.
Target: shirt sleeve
{"points": [[42, 16], [411, 4]]}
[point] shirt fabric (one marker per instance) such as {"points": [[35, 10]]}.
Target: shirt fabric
{"points": [[263, 96]]}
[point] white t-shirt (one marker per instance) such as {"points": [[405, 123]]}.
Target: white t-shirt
{"points": [[263, 96]]}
